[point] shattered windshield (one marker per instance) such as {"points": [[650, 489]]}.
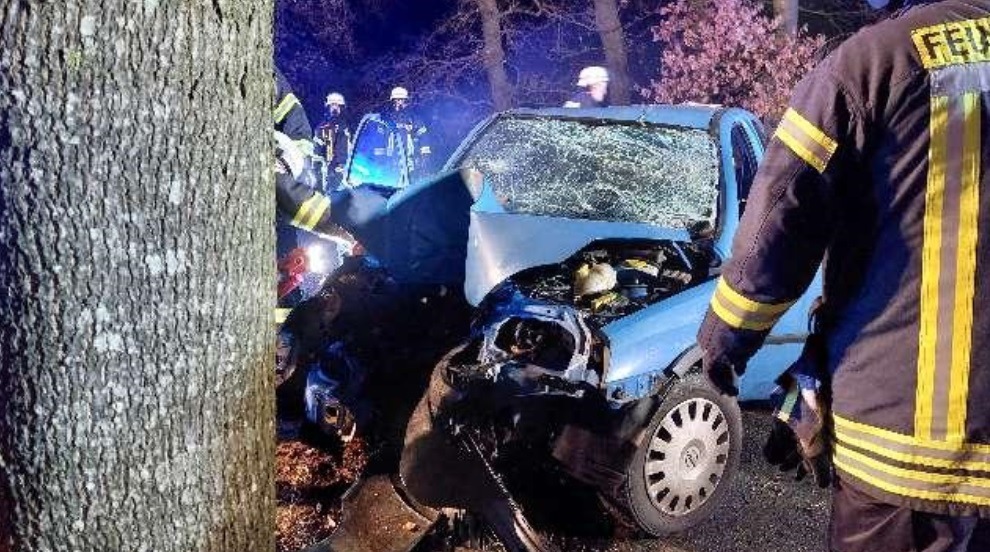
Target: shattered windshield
{"points": [[627, 172]]}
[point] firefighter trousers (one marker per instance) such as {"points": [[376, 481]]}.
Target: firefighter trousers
{"points": [[861, 523]]}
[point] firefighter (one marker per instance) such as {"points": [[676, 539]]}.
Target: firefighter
{"points": [[411, 132], [879, 167], [594, 81], [295, 194], [300, 206], [333, 141]]}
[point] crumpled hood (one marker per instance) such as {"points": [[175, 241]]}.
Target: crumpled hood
{"points": [[448, 231], [501, 245]]}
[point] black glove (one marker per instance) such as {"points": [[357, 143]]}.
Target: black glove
{"points": [[802, 441], [723, 376], [781, 448]]}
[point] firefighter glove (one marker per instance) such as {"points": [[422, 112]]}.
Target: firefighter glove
{"points": [[799, 437]]}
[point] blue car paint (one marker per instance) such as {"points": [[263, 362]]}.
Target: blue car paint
{"points": [[643, 345]]}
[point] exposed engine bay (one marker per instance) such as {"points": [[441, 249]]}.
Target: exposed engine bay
{"points": [[608, 280], [525, 383], [540, 329]]}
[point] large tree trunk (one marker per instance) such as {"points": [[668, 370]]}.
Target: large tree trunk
{"points": [[613, 40], [787, 11], [494, 55], [136, 276]]}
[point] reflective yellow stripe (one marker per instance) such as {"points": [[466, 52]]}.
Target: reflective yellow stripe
{"points": [[281, 315], [311, 211], [813, 132], [913, 455], [746, 304], [303, 213], [316, 213], [915, 475], [801, 151], [284, 107], [965, 285], [789, 401], [734, 320], [906, 491], [895, 437], [741, 312], [931, 268]]}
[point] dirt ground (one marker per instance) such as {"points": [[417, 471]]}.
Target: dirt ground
{"points": [[765, 510], [309, 480]]}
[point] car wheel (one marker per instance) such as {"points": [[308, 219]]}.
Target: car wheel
{"points": [[690, 452]]}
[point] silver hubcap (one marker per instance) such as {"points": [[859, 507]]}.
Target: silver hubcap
{"points": [[687, 457]]}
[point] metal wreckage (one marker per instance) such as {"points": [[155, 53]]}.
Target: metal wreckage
{"points": [[544, 314]]}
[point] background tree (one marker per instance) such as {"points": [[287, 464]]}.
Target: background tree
{"points": [[787, 13], [136, 276], [493, 55], [613, 39], [728, 52]]}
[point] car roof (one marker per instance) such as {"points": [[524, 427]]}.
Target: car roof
{"points": [[685, 115]]}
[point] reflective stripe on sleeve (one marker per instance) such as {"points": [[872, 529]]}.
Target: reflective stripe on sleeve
{"points": [[311, 211], [806, 140], [284, 107], [741, 312]]}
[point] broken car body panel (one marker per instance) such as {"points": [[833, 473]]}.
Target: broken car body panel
{"points": [[587, 254], [443, 231]]}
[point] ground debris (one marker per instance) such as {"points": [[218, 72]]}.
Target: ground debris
{"points": [[309, 479]]}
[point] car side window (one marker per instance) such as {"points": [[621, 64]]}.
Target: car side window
{"points": [[744, 161]]}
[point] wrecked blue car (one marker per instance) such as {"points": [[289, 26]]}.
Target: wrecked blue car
{"points": [[566, 257]]}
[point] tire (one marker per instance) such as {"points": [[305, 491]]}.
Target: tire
{"points": [[685, 464]]}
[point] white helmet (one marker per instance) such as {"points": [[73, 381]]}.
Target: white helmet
{"points": [[335, 98], [399, 93], [592, 75]]}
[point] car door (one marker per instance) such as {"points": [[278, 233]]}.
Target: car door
{"points": [[378, 158]]}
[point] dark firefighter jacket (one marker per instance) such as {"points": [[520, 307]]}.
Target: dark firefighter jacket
{"points": [[300, 204], [583, 99], [333, 140], [415, 137], [879, 166]]}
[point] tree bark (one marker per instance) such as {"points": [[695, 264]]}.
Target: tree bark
{"points": [[494, 55], [787, 11], [136, 276], [614, 41]]}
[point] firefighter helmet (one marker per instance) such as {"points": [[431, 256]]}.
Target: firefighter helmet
{"points": [[399, 93], [592, 75], [335, 98]]}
